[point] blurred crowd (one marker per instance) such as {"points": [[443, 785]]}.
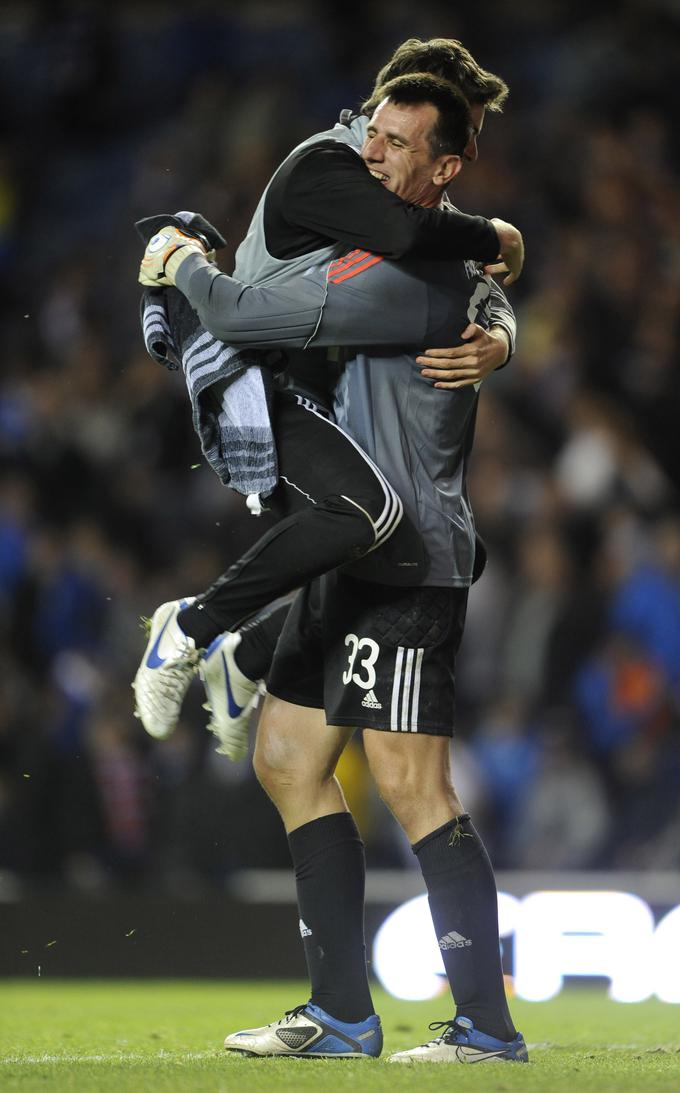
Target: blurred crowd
{"points": [[566, 747]]}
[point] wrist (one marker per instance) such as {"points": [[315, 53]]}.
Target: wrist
{"points": [[493, 224], [180, 255], [500, 334]]}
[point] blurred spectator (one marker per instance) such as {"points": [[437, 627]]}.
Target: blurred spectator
{"points": [[563, 819], [540, 600], [621, 695], [506, 750]]}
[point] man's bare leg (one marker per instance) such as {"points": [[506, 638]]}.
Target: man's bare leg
{"points": [[413, 776], [295, 758]]}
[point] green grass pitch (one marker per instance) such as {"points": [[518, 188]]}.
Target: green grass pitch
{"points": [[167, 1035]]}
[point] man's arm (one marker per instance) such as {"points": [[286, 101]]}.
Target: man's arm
{"points": [[279, 314], [327, 195], [483, 351], [260, 316]]}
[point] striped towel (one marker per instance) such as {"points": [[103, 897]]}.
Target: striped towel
{"points": [[158, 338], [230, 391]]}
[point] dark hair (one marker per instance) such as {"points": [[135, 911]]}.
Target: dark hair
{"points": [[449, 59], [453, 128]]}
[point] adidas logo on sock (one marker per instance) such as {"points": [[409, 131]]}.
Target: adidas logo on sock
{"points": [[304, 929], [454, 941], [371, 702]]}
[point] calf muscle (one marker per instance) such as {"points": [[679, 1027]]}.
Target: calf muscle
{"points": [[413, 776]]}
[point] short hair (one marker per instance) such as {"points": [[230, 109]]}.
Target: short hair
{"points": [[453, 128], [448, 59]]}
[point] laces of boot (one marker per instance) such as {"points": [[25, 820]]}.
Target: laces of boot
{"points": [[173, 678], [434, 1025], [290, 1014]]}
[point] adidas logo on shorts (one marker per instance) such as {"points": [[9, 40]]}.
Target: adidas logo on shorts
{"points": [[371, 702]]}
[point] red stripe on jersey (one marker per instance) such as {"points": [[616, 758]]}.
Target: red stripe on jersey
{"points": [[339, 264], [355, 269]]}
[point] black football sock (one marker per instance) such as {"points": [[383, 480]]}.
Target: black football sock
{"points": [[255, 651], [197, 625], [463, 901], [330, 869]]}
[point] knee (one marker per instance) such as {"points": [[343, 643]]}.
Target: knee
{"points": [[275, 770], [399, 788], [352, 522], [289, 773], [417, 788], [369, 517], [383, 512]]}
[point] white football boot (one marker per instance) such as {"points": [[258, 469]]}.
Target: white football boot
{"points": [[231, 695], [169, 663], [311, 1032], [462, 1043]]}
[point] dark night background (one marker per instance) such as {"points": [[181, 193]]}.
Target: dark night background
{"points": [[569, 680]]}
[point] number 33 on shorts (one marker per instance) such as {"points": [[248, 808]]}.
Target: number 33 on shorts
{"points": [[363, 654]]}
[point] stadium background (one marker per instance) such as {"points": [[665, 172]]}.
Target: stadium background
{"points": [[567, 742]]}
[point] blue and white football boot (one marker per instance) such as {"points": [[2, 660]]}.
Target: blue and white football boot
{"points": [[310, 1032], [169, 664], [231, 696], [461, 1043]]}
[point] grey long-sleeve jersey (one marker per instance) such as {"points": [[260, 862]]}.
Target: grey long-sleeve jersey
{"points": [[384, 313], [420, 436], [306, 311]]}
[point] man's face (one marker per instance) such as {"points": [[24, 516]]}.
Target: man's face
{"points": [[471, 151], [397, 152]]}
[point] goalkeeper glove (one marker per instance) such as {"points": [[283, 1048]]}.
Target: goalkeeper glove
{"points": [[164, 254]]}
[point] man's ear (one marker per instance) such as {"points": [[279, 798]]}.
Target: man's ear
{"points": [[446, 169]]}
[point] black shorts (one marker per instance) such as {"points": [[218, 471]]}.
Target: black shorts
{"points": [[372, 655]]}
